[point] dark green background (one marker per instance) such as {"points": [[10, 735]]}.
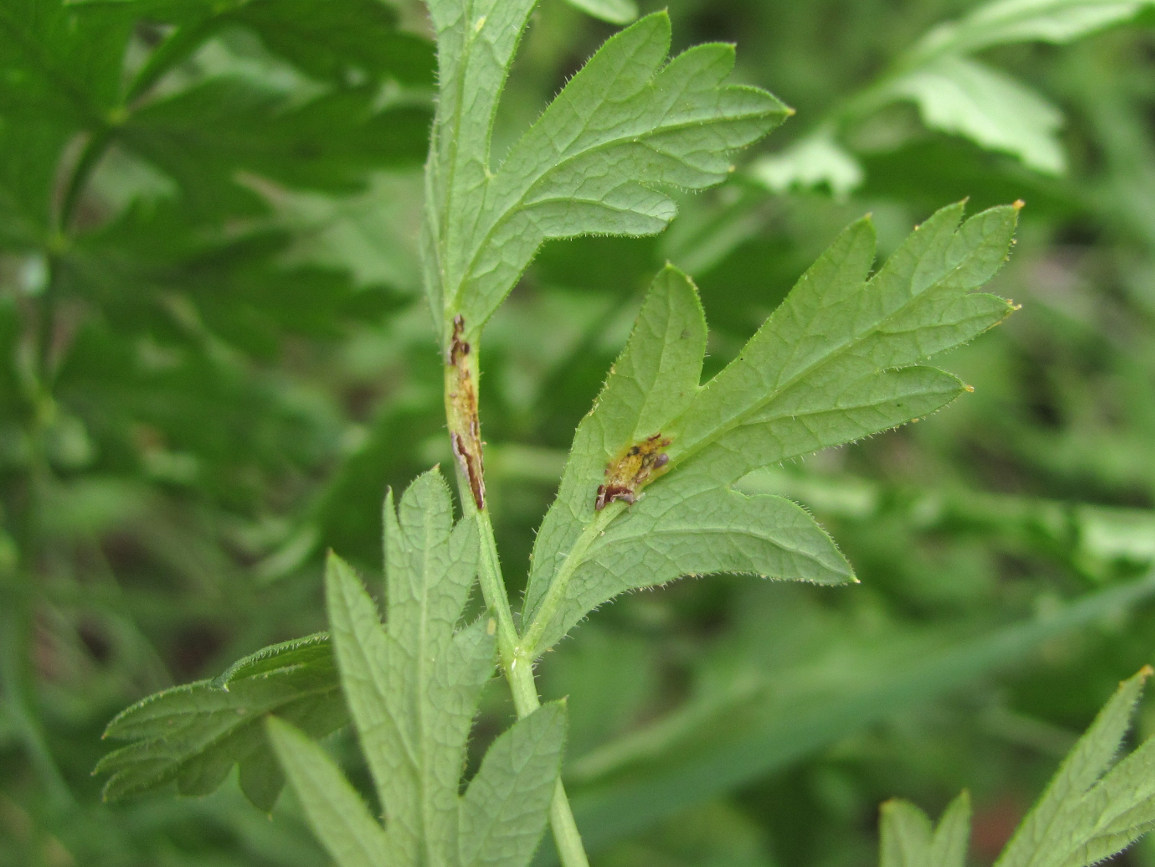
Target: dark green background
{"points": [[215, 356]]}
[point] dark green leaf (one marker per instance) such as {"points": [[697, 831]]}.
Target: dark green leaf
{"points": [[192, 735], [208, 137]]}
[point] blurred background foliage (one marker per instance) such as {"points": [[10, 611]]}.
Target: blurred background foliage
{"points": [[214, 357]]}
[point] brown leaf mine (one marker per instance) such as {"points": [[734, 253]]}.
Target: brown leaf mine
{"points": [[466, 441], [631, 470]]}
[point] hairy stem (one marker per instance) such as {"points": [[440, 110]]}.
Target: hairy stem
{"points": [[461, 377], [518, 669], [555, 594]]}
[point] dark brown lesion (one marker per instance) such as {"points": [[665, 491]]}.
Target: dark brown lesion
{"points": [[635, 466], [465, 436], [458, 348]]}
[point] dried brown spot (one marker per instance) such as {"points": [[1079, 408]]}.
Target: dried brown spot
{"points": [[466, 437], [457, 346], [470, 462], [636, 466]]}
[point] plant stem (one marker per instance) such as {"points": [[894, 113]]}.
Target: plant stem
{"points": [[518, 668], [461, 377], [552, 600]]}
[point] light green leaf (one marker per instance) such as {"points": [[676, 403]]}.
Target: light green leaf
{"points": [[613, 11], [815, 160], [995, 111], [952, 836], [192, 735], [1087, 814], [504, 811], [1120, 809], [905, 835], [1005, 22], [838, 360], [475, 46], [958, 95], [342, 821], [413, 687], [909, 840], [626, 124]]}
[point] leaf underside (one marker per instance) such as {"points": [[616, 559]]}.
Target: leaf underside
{"points": [[841, 358], [629, 124], [1094, 806], [413, 687], [191, 736]]}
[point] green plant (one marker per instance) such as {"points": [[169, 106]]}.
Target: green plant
{"points": [[653, 488]]}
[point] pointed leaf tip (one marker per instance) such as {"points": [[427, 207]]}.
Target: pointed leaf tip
{"points": [[842, 357]]}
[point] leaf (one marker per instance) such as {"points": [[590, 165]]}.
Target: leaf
{"points": [[342, 821], [1005, 22], [334, 42], [909, 840], [192, 735], [504, 811], [60, 61], [236, 281], [613, 11], [627, 124], [905, 835], [413, 687], [816, 159], [1091, 810], [206, 136], [838, 360], [952, 836], [995, 111], [339, 41], [59, 74], [957, 94]]}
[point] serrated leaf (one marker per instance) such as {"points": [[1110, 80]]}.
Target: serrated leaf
{"points": [[339, 41], [192, 735], [336, 42], [505, 808], [838, 360], [413, 687], [206, 136], [59, 75], [312, 652], [908, 838], [1089, 813], [59, 61], [626, 124], [236, 281], [967, 98], [339, 815]]}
